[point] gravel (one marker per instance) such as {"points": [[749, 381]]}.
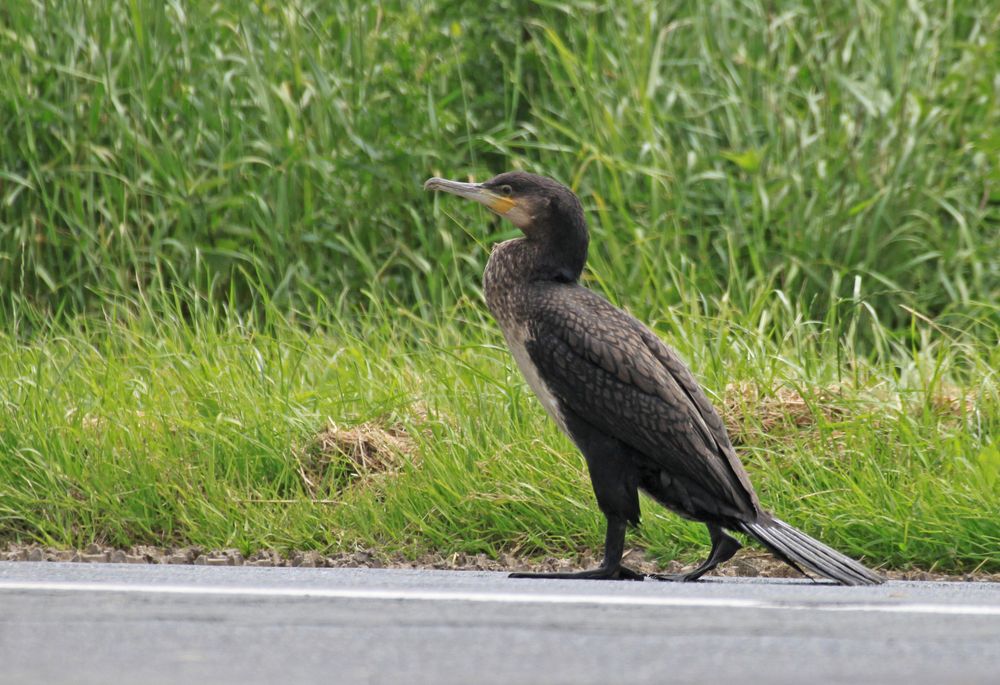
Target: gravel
{"points": [[747, 563]]}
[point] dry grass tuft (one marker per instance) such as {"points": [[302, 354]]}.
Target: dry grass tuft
{"points": [[342, 455], [750, 410], [953, 402]]}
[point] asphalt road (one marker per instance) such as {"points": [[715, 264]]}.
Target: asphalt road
{"points": [[81, 623]]}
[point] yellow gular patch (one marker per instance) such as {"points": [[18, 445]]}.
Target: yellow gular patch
{"points": [[502, 205]]}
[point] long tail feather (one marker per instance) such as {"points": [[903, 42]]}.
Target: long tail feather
{"points": [[799, 550]]}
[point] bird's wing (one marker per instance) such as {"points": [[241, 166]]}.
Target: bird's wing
{"points": [[711, 421], [610, 369]]}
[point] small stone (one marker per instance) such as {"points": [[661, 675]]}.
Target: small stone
{"points": [[314, 560], [135, 559], [184, 555], [149, 554], [94, 558], [743, 568], [93, 548], [35, 554], [362, 558], [117, 557]]}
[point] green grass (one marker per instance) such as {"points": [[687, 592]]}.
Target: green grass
{"points": [[829, 153], [199, 427], [213, 242]]}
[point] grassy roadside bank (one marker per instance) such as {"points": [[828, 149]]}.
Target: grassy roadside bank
{"points": [[230, 318], [224, 431]]}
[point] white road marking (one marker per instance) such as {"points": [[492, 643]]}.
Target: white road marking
{"points": [[404, 595]]}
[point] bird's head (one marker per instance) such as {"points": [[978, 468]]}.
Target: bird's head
{"points": [[547, 212]]}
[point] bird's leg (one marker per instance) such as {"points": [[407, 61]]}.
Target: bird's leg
{"points": [[723, 548], [610, 569]]}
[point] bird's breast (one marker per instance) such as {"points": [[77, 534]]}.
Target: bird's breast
{"points": [[517, 339], [511, 297]]}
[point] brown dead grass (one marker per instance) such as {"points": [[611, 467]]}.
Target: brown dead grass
{"points": [[354, 455], [749, 410], [772, 409]]}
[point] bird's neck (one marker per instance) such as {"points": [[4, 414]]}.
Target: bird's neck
{"points": [[517, 264]]}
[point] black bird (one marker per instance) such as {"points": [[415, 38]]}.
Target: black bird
{"points": [[625, 399]]}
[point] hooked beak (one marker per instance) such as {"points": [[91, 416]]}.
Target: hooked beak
{"points": [[473, 191]]}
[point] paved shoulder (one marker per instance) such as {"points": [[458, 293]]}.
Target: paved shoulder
{"points": [[163, 623]]}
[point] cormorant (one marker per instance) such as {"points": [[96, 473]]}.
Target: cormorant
{"points": [[623, 397]]}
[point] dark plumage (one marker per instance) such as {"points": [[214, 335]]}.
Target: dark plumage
{"points": [[625, 399]]}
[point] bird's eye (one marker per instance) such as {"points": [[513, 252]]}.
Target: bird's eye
{"points": [[506, 190]]}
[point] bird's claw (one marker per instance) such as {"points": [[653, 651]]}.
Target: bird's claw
{"points": [[625, 573], [675, 577], [620, 573]]}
